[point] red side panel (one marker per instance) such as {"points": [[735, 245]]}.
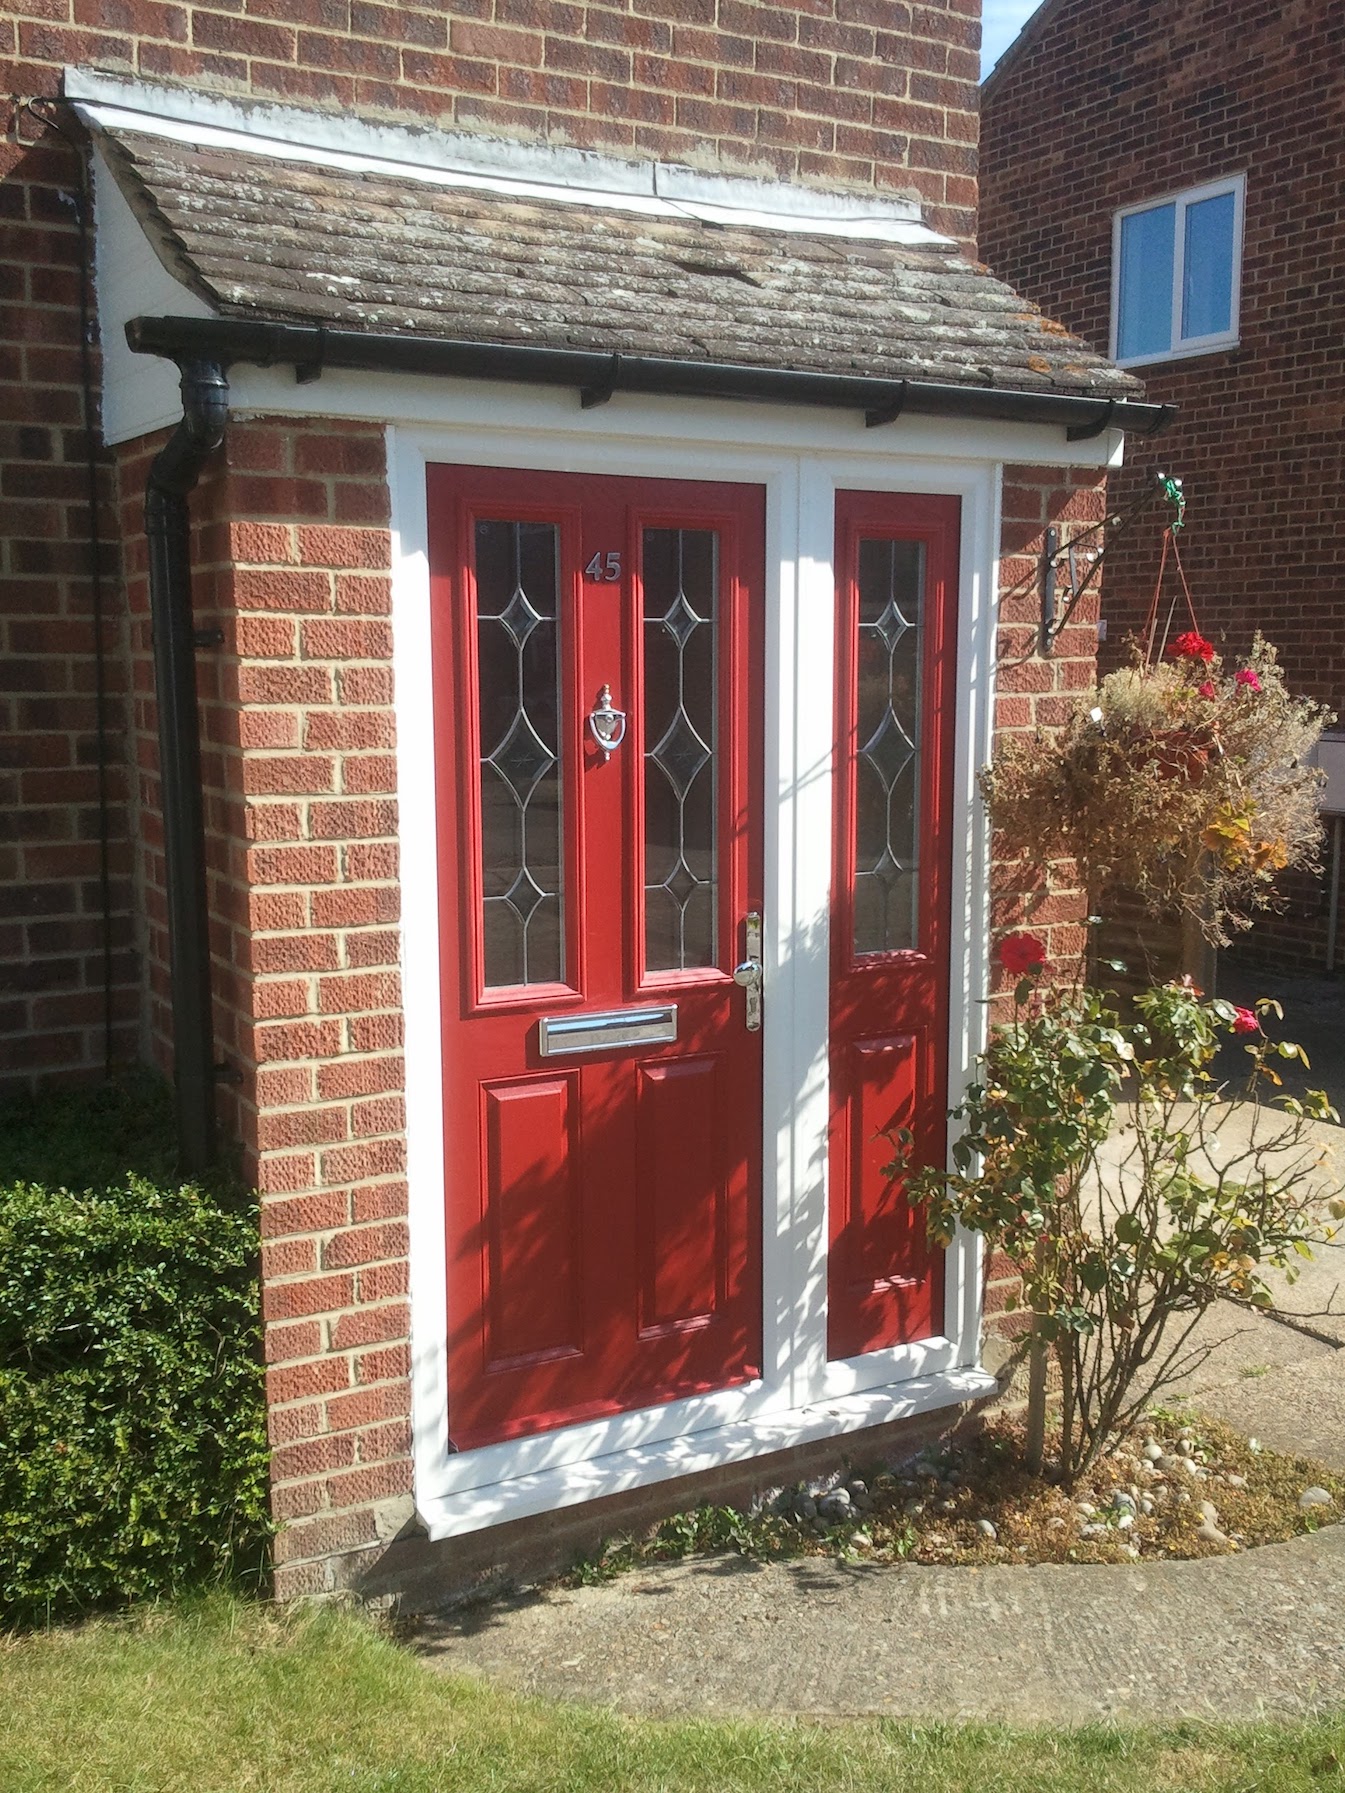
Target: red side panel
{"points": [[889, 1004]]}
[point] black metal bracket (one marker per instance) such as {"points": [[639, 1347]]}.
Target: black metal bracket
{"points": [[306, 372], [226, 1073], [601, 390], [207, 637], [1050, 547], [888, 412], [1085, 432]]}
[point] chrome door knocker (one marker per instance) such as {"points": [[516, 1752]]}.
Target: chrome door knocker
{"points": [[608, 725]]}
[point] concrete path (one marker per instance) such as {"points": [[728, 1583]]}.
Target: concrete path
{"points": [[1234, 1637], [1260, 1634]]}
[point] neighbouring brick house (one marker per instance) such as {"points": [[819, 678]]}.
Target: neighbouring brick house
{"points": [[569, 513], [1166, 180]]}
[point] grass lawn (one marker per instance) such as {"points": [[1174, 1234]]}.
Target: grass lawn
{"points": [[224, 1697]]}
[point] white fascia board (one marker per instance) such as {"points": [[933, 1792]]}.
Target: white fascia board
{"points": [[473, 1510], [140, 392], [504, 406], [488, 164]]}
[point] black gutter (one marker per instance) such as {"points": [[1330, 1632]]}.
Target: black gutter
{"points": [[174, 473], [310, 348]]}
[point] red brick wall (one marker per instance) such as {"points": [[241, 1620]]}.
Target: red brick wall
{"points": [[867, 93], [65, 968], [1115, 101]]}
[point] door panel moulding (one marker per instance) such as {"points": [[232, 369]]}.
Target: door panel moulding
{"points": [[800, 1394]]}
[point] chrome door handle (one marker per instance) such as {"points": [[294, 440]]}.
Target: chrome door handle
{"points": [[747, 975], [608, 726]]}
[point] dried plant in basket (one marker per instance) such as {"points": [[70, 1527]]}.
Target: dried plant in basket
{"points": [[1179, 781]]}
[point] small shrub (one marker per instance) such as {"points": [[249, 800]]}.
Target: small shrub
{"points": [[1091, 1157], [132, 1426]]}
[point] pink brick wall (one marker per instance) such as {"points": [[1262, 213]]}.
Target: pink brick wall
{"points": [[860, 94], [851, 93]]}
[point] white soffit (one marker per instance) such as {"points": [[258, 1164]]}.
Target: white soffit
{"points": [[487, 164]]}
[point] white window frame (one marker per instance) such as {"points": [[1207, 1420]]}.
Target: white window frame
{"points": [[1183, 348]]}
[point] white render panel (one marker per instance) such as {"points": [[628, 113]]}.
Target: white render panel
{"points": [[140, 392]]}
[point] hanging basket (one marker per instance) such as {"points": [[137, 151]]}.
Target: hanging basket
{"points": [[1176, 780]]}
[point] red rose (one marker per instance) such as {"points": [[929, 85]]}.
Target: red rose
{"points": [[1248, 679], [1244, 1021], [1021, 953]]}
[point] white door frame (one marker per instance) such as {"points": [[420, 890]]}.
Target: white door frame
{"points": [[800, 1395]]}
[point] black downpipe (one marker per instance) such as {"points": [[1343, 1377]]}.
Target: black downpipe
{"points": [[176, 469]]}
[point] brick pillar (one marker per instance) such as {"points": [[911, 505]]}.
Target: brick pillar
{"points": [[291, 560], [1035, 692]]}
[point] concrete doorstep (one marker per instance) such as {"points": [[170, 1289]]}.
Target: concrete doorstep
{"points": [[1260, 1634]]}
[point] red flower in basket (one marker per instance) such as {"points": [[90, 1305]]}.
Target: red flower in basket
{"points": [[1248, 679], [1021, 953], [1207, 690], [1192, 646]]}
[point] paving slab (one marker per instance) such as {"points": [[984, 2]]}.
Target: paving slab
{"points": [[1254, 1635], [1298, 1408]]}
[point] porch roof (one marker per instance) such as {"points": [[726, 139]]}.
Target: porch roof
{"points": [[261, 237]]}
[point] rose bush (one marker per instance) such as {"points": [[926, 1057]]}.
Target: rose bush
{"points": [[1090, 1156]]}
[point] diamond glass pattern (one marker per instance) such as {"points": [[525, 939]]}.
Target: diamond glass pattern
{"points": [[887, 769], [518, 690], [680, 572]]}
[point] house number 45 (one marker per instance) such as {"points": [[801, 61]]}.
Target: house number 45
{"points": [[604, 566]]}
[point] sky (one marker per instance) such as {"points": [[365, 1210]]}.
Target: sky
{"points": [[1001, 21]]}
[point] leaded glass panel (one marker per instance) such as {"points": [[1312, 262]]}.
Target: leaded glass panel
{"points": [[887, 771], [680, 573], [518, 691]]}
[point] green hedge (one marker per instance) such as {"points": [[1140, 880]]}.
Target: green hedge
{"points": [[132, 1423]]}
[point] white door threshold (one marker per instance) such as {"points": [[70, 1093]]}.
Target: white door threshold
{"points": [[640, 1466]]}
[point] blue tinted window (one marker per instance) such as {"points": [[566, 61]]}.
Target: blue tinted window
{"points": [[1148, 242], [1207, 276]]}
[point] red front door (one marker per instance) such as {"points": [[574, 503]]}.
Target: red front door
{"points": [[597, 671], [896, 589]]}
